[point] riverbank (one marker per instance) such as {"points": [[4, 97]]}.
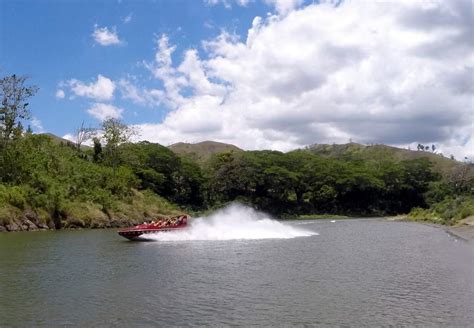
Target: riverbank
{"points": [[464, 229], [138, 207], [318, 217], [30, 220]]}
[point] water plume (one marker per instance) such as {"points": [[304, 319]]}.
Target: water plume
{"points": [[233, 222]]}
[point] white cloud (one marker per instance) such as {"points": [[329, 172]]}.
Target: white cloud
{"points": [[375, 72], [243, 2], [60, 94], [283, 7], [37, 125], [162, 69], [69, 137], [103, 111], [89, 142], [147, 97], [106, 37], [189, 74], [127, 19], [102, 89], [227, 3]]}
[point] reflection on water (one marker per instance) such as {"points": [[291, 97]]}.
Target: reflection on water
{"points": [[355, 273]]}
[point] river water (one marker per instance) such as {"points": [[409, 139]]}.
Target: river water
{"points": [[240, 271]]}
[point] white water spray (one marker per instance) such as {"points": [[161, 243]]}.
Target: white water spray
{"points": [[233, 222]]}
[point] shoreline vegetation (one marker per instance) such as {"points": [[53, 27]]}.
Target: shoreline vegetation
{"points": [[51, 184], [30, 221], [47, 182]]}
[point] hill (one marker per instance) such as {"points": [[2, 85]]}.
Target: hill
{"points": [[202, 151], [441, 164], [61, 141]]}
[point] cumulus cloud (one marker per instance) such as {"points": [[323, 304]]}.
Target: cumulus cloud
{"points": [[373, 72], [103, 111], [142, 96], [162, 69], [60, 94], [37, 125], [102, 89], [105, 36], [283, 7]]}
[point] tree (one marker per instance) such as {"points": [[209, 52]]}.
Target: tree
{"points": [[29, 131], [14, 94], [83, 134], [154, 164], [462, 178], [97, 150], [115, 134], [17, 131]]}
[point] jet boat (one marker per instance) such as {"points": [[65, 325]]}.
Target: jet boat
{"points": [[162, 225]]}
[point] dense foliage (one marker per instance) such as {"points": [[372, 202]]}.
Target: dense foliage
{"points": [[64, 183], [299, 182]]}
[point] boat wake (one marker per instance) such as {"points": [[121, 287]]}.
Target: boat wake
{"points": [[233, 222]]}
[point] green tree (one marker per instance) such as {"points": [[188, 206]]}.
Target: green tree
{"points": [[14, 93], [97, 156], [115, 133], [153, 164]]}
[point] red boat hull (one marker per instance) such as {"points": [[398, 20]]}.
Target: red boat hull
{"points": [[133, 233]]}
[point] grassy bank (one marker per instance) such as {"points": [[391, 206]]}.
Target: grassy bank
{"points": [[447, 212], [133, 209]]}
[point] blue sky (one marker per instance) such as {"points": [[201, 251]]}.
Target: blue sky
{"points": [[261, 74], [50, 41]]}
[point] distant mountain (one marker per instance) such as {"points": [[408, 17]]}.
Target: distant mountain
{"points": [[202, 151], [59, 140], [441, 163]]}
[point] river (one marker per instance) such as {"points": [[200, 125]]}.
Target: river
{"points": [[348, 273]]}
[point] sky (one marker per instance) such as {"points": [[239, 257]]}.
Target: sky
{"points": [[259, 74]]}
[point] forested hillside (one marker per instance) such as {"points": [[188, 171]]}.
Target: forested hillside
{"points": [[59, 185], [202, 151], [443, 163]]}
